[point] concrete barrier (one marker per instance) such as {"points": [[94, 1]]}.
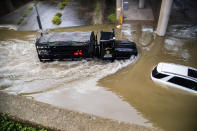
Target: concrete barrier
{"points": [[56, 118]]}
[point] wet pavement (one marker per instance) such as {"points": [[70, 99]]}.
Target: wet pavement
{"points": [[54, 118], [74, 14]]}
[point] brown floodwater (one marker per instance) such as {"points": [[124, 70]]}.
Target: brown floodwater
{"points": [[165, 107], [122, 90]]}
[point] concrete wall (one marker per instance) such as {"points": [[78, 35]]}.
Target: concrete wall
{"points": [[60, 119]]}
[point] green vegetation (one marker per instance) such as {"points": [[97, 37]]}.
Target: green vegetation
{"points": [[112, 18], [9, 125], [27, 12], [20, 21], [59, 14], [97, 11], [63, 4], [25, 15], [57, 19]]}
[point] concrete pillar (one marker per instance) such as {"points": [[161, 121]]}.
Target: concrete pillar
{"points": [[118, 5], [164, 17], [141, 4]]}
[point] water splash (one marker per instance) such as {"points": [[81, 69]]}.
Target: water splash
{"points": [[32, 76]]}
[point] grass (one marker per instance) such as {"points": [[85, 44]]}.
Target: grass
{"points": [[57, 19], [59, 14], [9, 125], [112, 18], [27, 12], [63, 4]]}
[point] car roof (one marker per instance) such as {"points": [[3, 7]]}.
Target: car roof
{"points": [[172, 68], [178, 70]]}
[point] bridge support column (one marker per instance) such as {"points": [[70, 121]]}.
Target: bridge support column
{"points": [[141, 4], [118, 5], [164, 17]]}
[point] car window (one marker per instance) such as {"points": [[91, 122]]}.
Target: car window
{"points": [[184, 82], [192, 73], [158, 75]]}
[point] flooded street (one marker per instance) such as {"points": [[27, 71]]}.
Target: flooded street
{"points": [[122, 90], [65, 84], [165, 107]]}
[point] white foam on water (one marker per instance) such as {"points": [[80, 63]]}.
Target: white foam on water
{"points": [[5, 83], [183, 31], [33, 76], [147, 29], [173, 44], [11, 27], [176, 48], [129, 31]]}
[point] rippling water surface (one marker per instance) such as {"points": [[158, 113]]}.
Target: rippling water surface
{"points": [[122, 90]]}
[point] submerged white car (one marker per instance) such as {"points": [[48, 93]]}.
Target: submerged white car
{"points": [[178, 76]]}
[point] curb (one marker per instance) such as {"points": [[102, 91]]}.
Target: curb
{"points": [[56, 118]]}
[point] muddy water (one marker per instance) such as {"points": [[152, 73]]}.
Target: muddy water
{"points": [[165, 107], [67, 84], [121, 90]]}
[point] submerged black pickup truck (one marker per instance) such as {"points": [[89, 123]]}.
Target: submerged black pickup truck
{"points": [[83, 45]]}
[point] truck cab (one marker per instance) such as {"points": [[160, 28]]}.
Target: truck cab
{"points": [[110, 48]]}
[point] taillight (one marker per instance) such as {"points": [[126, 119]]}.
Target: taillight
{"points": [[78, 53]]}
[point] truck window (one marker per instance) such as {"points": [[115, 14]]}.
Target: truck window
{"points": [[184, 82], [158, 75]]}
